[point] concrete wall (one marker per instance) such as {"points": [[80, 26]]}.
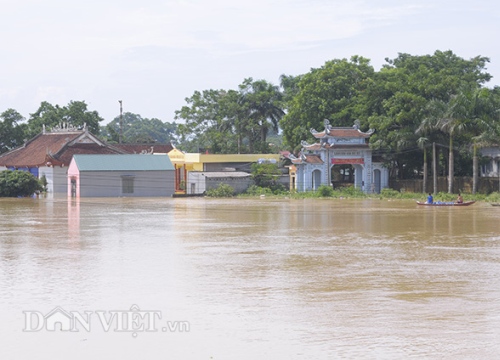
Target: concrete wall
{"points": [[239, 185], [246, 167], [57, 178], [198, 183], [109, 183]]}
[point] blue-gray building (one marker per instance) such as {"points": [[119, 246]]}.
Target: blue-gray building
{"points": [[130, 175]]}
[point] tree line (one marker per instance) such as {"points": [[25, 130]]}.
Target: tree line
{"points": [[15, 130], [412, 102]]}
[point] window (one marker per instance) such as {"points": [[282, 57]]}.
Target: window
{"points": [[127, 184]]}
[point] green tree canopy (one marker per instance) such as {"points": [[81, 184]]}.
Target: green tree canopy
{"points": [[74, 114], [18, 183], [137, 129], [12, 130], [330, 92], [230, 121]]}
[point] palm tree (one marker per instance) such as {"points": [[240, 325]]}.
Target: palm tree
{"points": [[262, 102], [428, 131], [485, 116]]}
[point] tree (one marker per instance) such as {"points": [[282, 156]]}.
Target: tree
{"points": [[266, 175], [330, 92], [137, 129], [12, 130], [481, 106], [397, 101], [210, 121], [262, 103], [18, 183], [74, 114]]}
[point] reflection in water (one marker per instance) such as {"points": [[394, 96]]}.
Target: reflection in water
{"points": [[305, 279]]}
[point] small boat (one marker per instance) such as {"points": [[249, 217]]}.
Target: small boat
{"points": [[446, 203], [495, 204]]}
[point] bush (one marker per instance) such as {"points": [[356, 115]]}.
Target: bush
{"points": [[223, 190], [265, 175], [351, 191], [18, 183], [324, 191], [258, 190], [390, 193], [493, 197]]}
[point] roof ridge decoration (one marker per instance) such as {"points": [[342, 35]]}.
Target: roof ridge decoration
{"points": [[65, 127], [329, 128]]}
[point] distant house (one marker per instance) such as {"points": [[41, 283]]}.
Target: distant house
{"points": [[50, 152], [207, 167], [130, 175], [492, 167]]}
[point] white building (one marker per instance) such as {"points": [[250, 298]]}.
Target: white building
{"points": [[492, 168]]}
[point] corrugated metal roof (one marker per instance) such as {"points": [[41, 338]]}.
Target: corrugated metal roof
{"points": [[125, 162]]}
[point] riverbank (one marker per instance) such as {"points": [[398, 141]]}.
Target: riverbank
{"points": [[352, 193]]}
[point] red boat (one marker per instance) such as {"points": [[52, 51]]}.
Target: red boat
{"points": [[446, 203]]}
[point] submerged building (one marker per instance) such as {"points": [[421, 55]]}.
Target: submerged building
{"points": [[341, 155]]}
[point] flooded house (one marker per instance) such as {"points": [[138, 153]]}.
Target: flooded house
{"points": [[49, 153], [120, 175]]}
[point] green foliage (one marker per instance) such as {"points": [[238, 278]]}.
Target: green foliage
{"points": [[390, 193], [331, 92], [265, 174], [493, 197], [325, 191], [223, 190], [211, 120], [139, 130], [18, 183], [12, 130], [351, 191], [255, 190], [75, 114], [232, 121], [43, 183]]}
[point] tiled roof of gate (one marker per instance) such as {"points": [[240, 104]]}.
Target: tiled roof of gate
{"points": [[342, 132]]}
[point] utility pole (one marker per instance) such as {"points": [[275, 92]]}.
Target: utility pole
{"points": [[120, 138]]}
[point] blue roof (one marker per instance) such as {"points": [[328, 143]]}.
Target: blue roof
{"points": [[123, 162]]}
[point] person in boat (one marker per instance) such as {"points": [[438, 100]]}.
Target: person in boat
{"points": [[460, 200], [430, 199]]}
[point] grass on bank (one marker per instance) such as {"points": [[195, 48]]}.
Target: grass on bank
{"points": [[350, 192]]}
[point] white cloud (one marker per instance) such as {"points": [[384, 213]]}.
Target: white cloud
{"points": [[154, 53]]}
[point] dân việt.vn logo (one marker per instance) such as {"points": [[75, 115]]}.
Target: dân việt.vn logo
{"points": [[132, 321]]}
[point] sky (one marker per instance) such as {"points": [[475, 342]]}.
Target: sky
{"points": [[153, 54]]}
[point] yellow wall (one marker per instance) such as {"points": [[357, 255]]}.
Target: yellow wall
{"points": [[196, 160]]}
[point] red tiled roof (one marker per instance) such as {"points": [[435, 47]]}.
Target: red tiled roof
{"points": [[65, 155], [34, 151], [58, 148], [310, 159], [313, 159]]}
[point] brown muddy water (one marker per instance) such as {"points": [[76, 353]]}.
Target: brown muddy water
{"points": [[248, 279]]}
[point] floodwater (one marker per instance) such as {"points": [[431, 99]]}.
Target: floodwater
{"points": [[248, 279]]}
